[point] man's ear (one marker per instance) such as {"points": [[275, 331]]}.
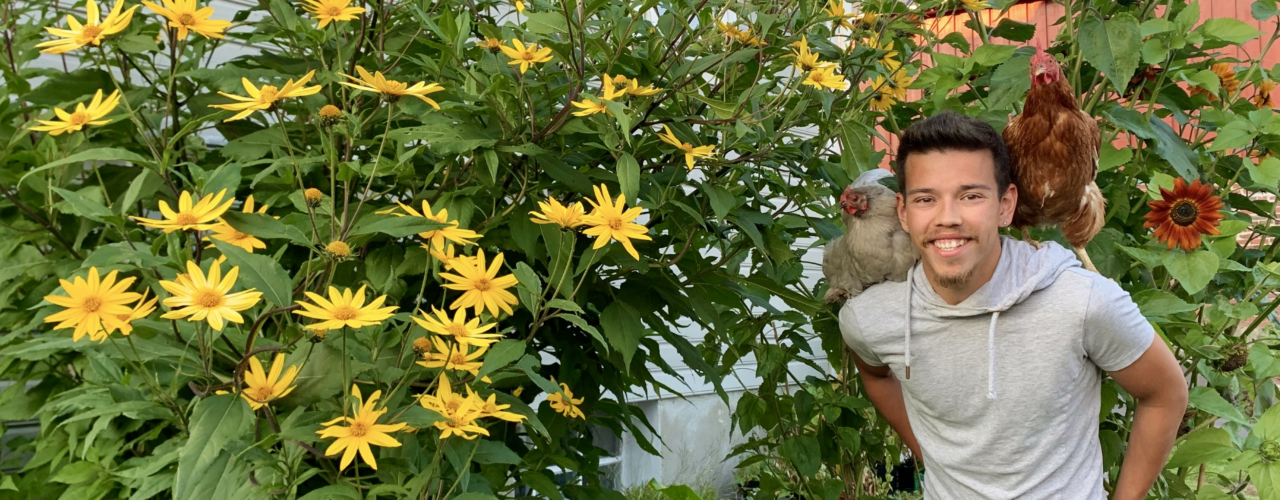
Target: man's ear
{"points": [[1008, 202], [902, 211]]}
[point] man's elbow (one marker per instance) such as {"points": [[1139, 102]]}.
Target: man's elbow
{"points": [[1171, 395]]}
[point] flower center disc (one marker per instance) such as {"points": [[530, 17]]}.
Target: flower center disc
{"points": [[457, 330], [333, 11], [90, 32], [91, 304], [1184, 212], [262, 394], [185, 219], [268, 93], [615, 223], [344, 313], [187, 20], [482, 284], [459, 359], [359, 429], [78, 118], [208, 299]]}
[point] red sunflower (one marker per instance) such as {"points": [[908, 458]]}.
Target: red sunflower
{"points": [[1184, 214]]}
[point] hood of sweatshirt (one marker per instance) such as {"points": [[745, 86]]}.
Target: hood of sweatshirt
{"points": [[1022, 270]]}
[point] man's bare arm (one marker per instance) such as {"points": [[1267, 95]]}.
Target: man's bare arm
{"points": [[886, 394], [1156, 381]]}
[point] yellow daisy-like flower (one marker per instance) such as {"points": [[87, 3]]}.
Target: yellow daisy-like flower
{"points": [[976, 4], [889, 91], [361, 431], [826, 77], [224, 232], [491, 409], [634, 88], [200, 298], [328, 11], [197, 217], [437, 237], [525, 56], [392, 90], [567, 217], [806, 60], [91, 32], [261, 387], [887, 60], [82, 117], [92, 304], [566, 404], [141, 309], [748, 38], [591, 106], [463, 331], [1227, 77], [450, 356], [835, 8], [344, 309], [460, 413], [490, 44], [265, 98], [446, 256], [183, 16], [728, 30], [609, 221], [1263, 98], [618, 80], [482, 288], [690, 152]]}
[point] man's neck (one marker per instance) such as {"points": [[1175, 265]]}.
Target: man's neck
{"points": [[981, 276]]}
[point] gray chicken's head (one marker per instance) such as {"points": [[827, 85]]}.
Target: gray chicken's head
{"points": [[867, 197]]}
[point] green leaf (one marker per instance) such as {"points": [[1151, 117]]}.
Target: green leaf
{"points": [[1229, 30], [1110, 157], [801, 451], [674, 492], [541, 483], [1169, 145], [722, 201], [1009, 29], [723, 110], [1234, 135], [97, 154], [992, 54], [501, 354], [545, 23], [1193, 270], [1265, 174], [260, 272], [1156, 303], [216, 421], [264, 226], [629, 177], [396, 226], [530, 287], [1188, 17], [420, 417], [1113, 46], [1266, 478], [566, 305], [333, 492], [493, 452], [1268, 427], [1146, 257], [1205, 79], [1208, 445], [254, 146], [1154, 50], [85, 206], [1010, 82], [77, 472], [1156, 26], [1263, 10], [447, 138], [143, 186], [621, 324], [586, 327], [1208, 399]]}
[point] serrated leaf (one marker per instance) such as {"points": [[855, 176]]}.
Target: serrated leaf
{"points": [[1208, 400], [1114, 46], [1208, 445], [501, 354], [264, 226], [530, 287], [622, 327], [1229, 29], [1193, 270], [215, 422], [395, 226], [260, 272]]}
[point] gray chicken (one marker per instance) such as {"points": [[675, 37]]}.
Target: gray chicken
{"points": [[874, 248]]}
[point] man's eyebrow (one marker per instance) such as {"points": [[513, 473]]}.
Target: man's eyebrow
{"points": [[922, 191], [966, 187]]}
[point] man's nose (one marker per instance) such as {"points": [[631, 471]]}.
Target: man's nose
{"points": [[948, 213]]}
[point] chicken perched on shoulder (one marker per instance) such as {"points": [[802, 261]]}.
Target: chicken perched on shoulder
{"points": [[1054, 146], [874, 248]]}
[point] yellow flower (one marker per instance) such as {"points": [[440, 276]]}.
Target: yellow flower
{"points": [[1263, 98], [690, 152], [463, 331], [328, 11], [608, 221], [520, 6], [491, 408], [344, 309], [568, 217], [391, 90], [826, 77], [91, 32], [525, 56], [183, 15], [728, 30], [338, 248], [362, 430], [141, 309], [566, 404], [261, 387], [888, 58], [835, 8], [747, 38], [92, 305], [198, 298], [482, 289], [224, 232], [446, 257], [82, 117], [460, 413], [313, 195], [976, 4], [454, 356], [618, 80], [592, 106], [805, 60], [1226, 76], [490, 44], [436, 237], [197, 217], [265, 98], [634, 88], [889, 91]]}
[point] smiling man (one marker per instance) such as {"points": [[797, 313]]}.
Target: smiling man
{"points": [[988, 359]]}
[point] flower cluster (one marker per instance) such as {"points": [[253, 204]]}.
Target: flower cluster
{"points": [[607, 221]]}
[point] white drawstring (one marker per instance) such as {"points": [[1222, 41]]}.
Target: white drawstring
{"points": [[991, 356], [910, 281]]}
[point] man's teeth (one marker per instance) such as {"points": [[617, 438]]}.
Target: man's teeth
{"points": [[948, 244]]}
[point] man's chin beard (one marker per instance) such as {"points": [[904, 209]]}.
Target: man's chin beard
{"points": [[955, 281]]}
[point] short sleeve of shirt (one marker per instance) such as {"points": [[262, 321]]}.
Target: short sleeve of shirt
{"points": [[1115, 331], [852, 333]]}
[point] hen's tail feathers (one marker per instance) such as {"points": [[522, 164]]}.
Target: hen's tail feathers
{"points": [[836, 295], [1026, 236], [1087, 222], [1084, 258]]}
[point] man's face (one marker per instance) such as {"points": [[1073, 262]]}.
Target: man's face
{"points": [[953, 212]]}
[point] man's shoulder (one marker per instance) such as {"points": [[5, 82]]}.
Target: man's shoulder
{"points": [[880, 305]]}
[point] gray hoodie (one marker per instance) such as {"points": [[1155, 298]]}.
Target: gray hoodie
{"points": [[1003, 390]]}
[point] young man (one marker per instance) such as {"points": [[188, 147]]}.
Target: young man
{"points": [[987, 359]]}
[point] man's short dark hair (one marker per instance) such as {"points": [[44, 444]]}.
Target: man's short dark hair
{"points": [[952, 131]]}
